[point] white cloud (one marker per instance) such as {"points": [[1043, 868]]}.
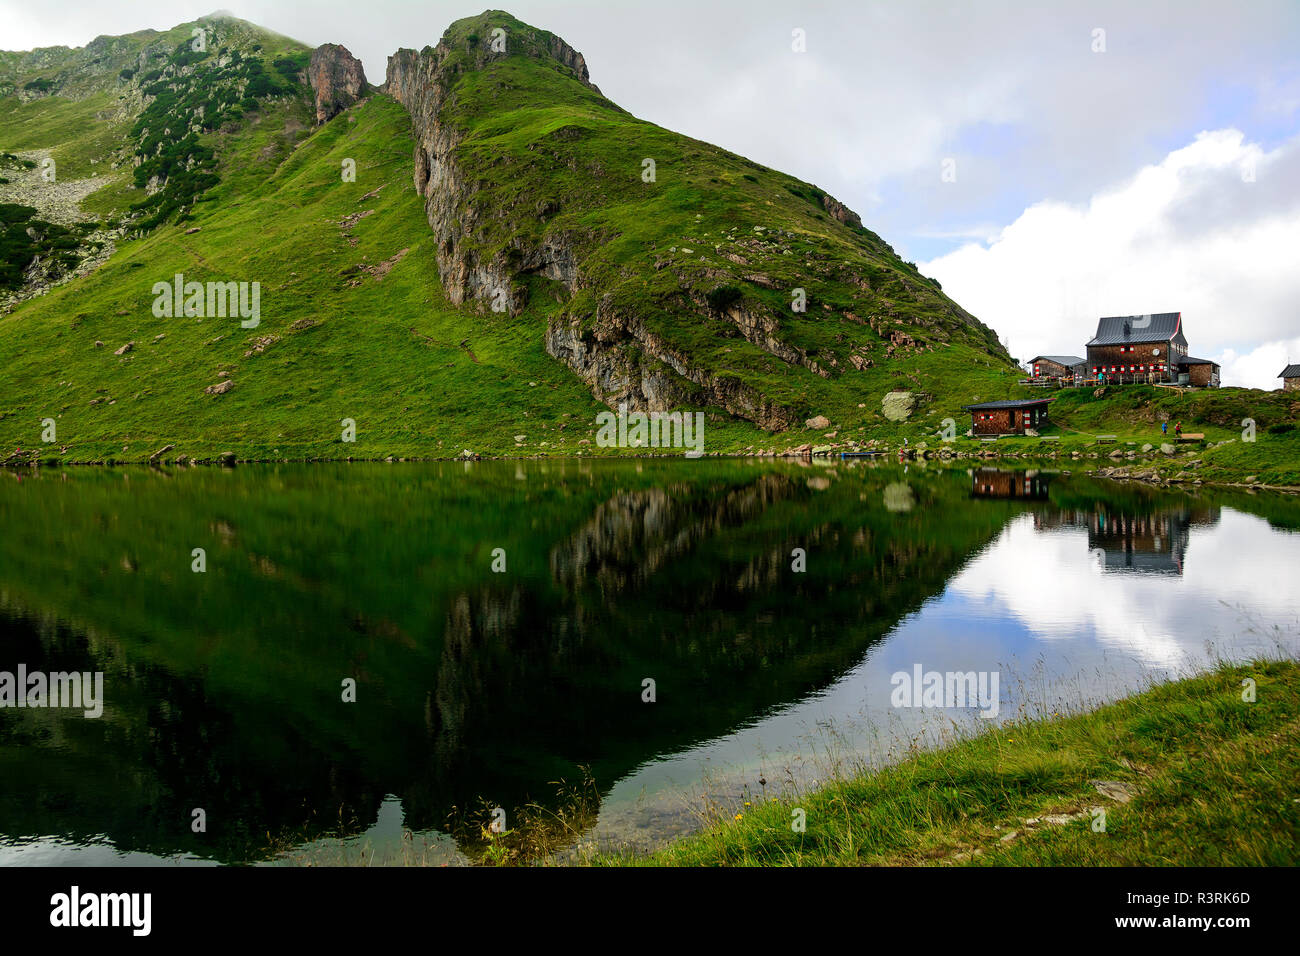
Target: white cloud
{"points": [[1261, 365], [1162, 620], [885, 92], [1194, 233]]}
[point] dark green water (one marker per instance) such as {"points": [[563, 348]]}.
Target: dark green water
{"points": [[479, 688]]}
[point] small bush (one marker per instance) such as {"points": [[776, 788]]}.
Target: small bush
{"points": [[260, 85], [187, 57], [288, 67]]}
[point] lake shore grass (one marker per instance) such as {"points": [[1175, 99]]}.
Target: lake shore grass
{"points": [[1272, 464], [1187, 773]]}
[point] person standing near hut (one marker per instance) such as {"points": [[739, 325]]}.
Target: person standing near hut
{"points": [[1164, 428], [1178, 430]]}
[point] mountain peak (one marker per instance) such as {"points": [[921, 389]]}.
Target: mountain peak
{"points": [[637, 243], [473, 43], [653, 271]]}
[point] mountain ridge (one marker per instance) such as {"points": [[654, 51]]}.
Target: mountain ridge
{"points": [[484, 252], [657, 291]]}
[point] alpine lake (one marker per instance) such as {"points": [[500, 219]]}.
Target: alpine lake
{"points": [[375, 663]]}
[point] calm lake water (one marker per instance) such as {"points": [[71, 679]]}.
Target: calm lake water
{"points": [[479, 688]]}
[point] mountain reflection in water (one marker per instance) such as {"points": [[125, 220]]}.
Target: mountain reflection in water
{"points": [[481, 689]]}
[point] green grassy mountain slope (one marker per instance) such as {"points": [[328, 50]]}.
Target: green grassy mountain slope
{"points": [[113, 139], [351, 325], [684, 274], [526, 189]]}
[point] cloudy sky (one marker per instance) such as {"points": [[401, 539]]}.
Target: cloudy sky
{"points": [[1102, 157]]}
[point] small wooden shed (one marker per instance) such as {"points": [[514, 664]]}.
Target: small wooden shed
{"points": [[1012, 416], [1202, 373]]}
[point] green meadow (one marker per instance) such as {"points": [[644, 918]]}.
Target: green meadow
{"points": [[1188, 773]]}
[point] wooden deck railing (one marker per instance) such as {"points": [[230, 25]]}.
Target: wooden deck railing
{"points": [[1127, 378]]}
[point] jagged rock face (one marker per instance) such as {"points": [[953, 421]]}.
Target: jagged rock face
{"points": [[762, 329], [655, 377], [488, 249], [571, 58], [658, 378], [841, 212], [415, 81], [336, 78], [422, 81]]}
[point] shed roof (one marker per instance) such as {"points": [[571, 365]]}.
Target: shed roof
{"points": [[1123, 329], [1291, 371], [1066, 360], [1192, 360], [1007, 403]]}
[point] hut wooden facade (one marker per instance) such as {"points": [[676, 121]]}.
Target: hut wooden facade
{"points": [[1054, 366], [1131, 349], [1012, 416], [1200, 372], [1137, 348]]}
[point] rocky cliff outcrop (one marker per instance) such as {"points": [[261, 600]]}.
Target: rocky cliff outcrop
{"points": [[522, 181], [841, 212], [336, 78], [652, 377], [623, 362], [422, 82]]}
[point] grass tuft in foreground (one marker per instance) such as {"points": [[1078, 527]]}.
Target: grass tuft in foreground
{"points": [[1187, 774]]}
